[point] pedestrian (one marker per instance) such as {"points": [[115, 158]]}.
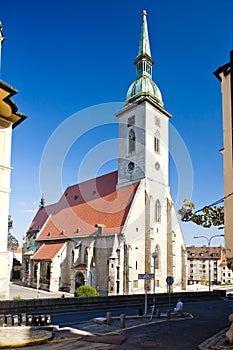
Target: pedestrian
{"points": [[179, 306]]}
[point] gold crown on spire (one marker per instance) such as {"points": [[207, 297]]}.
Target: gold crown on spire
{"points": [[144, 13]]}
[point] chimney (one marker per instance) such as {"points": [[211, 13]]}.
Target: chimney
{"points": [[100, 228]]}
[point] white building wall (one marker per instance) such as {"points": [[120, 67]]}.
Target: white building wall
{"points": [[59, 274], [151, 169], [156, 163], [179, 271], [5, 173]]}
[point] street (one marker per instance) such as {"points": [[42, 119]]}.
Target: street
{"points": [[17, 289], [209, 317]]}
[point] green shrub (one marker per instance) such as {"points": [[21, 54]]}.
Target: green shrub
{"points": [[17, 297], [86, 291]]}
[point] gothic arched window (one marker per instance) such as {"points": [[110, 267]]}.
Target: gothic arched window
{"points": [[157, 211], [132, 139]]}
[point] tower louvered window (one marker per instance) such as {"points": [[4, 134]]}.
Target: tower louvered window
{"points": [[132, 139], [157, 144]]}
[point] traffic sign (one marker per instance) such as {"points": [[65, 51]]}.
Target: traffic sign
{"points": [[170, 280], [146, 276]]}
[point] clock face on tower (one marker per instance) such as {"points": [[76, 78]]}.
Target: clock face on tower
{"points": [[131, 167]]}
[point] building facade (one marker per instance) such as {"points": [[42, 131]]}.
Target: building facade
{"points": [[9, 119], [225, 76], [102, 232], [198, 266]]}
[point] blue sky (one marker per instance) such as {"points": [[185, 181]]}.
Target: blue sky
{"points": [[65, 56]]}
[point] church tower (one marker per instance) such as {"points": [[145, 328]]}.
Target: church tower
{"points": [[143, 157], [143, 123]]}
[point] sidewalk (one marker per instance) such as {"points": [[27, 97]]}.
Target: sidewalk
{"points": [[86, 335]]}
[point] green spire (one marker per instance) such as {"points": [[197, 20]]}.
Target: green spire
{"points": [[144, 44], [144, 85], [144, 60]]}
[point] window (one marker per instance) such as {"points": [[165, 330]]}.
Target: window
{"points": [[48, 272], [157, 261], [27, 266], [136, 265], [35, 270], [132, 140], [118, 287], [157, 144], [118, 272], [157, 211], [131, 121]]}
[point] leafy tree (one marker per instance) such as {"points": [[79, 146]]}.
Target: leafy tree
{"points": [[205, 217], [203, 281], [86, 291]]}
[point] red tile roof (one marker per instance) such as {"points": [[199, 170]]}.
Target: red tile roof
{"points": [[48, 250], [40, 217], [194, 252], [84, 205], [19, 250]]}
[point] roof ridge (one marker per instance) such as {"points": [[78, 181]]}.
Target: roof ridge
{"points": [[89, 180]]}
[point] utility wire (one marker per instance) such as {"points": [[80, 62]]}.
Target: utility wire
{"points": [[215, 203]]}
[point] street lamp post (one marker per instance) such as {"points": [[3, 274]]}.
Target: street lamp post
{"points": [[208, 242], [154, 256]]}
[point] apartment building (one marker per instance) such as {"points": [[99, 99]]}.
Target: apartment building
{"points": [[199, 260]]}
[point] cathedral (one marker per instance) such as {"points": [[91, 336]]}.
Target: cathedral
{"points": [[111, 231]]}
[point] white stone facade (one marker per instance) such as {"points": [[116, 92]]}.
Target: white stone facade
{"points": [[150, 224]]}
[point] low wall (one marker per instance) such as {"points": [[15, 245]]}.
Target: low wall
{"points": [[51, 305]]}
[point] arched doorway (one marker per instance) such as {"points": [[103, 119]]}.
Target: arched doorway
{"points": [[79, 280]]}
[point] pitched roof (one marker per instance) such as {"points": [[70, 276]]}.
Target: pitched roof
{"points": [[40, 217], [48, 250], [19, 250], [194, 252], [84, 205]]}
